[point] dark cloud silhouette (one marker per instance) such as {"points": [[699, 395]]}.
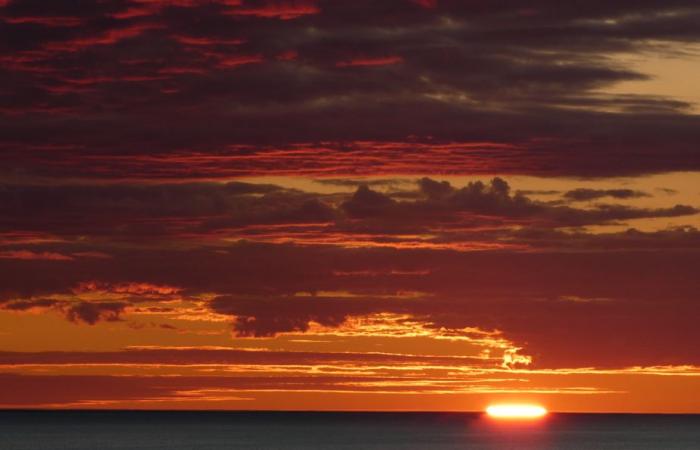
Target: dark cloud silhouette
{"points": [[199, 82], [91, 312], [269, 289], [494, 199], [583, 194], [259, 316], [86, 312], [519, 301], [367, 203], [138, 212], [24, 305]]}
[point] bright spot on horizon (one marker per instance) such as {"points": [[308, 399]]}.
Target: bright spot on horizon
{"points": [[516, 411]]}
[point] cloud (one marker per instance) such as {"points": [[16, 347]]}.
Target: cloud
{"points": [[121, 137], [430, 214], [369, 62], [583, 194], [143, 210], [284, 10], [493, 199], [88, 302], [350, 182], [366, 203], [128, 288], [448, 75], [668, 239], [28, 305], [91, 312], [203, 356], [267, 289], [87, 312], [28, 255]]}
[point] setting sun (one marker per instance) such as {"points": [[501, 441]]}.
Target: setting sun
{"points": [[516, 411]]}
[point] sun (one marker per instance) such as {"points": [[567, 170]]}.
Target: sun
{"points": [[516, 411]]}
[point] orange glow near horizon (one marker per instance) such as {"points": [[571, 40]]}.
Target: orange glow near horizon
{"points": [[516, 411]]}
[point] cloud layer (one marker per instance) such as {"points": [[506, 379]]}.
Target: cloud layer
{"points": [[219, 88], [393, 205]]}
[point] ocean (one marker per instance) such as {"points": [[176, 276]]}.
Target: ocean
{"points": [[94, 430]]}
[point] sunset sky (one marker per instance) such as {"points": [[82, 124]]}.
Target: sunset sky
{"points": [[350, 205]]}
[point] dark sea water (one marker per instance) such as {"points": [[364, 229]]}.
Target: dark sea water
{"points": [[95, 430]]}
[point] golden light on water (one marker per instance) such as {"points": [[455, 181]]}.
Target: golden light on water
{"points": [[516, 411]]}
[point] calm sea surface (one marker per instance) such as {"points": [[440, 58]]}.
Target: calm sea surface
{"points": [[94, 430]]}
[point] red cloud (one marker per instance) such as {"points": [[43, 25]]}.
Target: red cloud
{"points": [[46, 21], [181, 71], [279, 10], [428, 4], [106, 38], [93, 254], [30, 255], [380, 61], [289, 55], [150, 7], [239, 60], [196, 40]]}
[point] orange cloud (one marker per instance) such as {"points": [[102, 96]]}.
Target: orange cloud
{"points": [[132, 288]]}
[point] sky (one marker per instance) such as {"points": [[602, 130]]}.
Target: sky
{"points": [[350, 205]]}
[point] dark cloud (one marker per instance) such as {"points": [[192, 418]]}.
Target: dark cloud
{"points": [[24, 305], [86, 312], [243, 83], [259, 316], [495, 199], [522, 304], [119, 117], [270, 289], [583, 194], [670, 239], [139, 212], [91, 312], [367, 203], [434, 213], [349, 182]]}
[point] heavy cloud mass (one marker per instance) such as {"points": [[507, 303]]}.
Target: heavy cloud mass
{"points": [[400, 204], [271, 260], [218, 89]]}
